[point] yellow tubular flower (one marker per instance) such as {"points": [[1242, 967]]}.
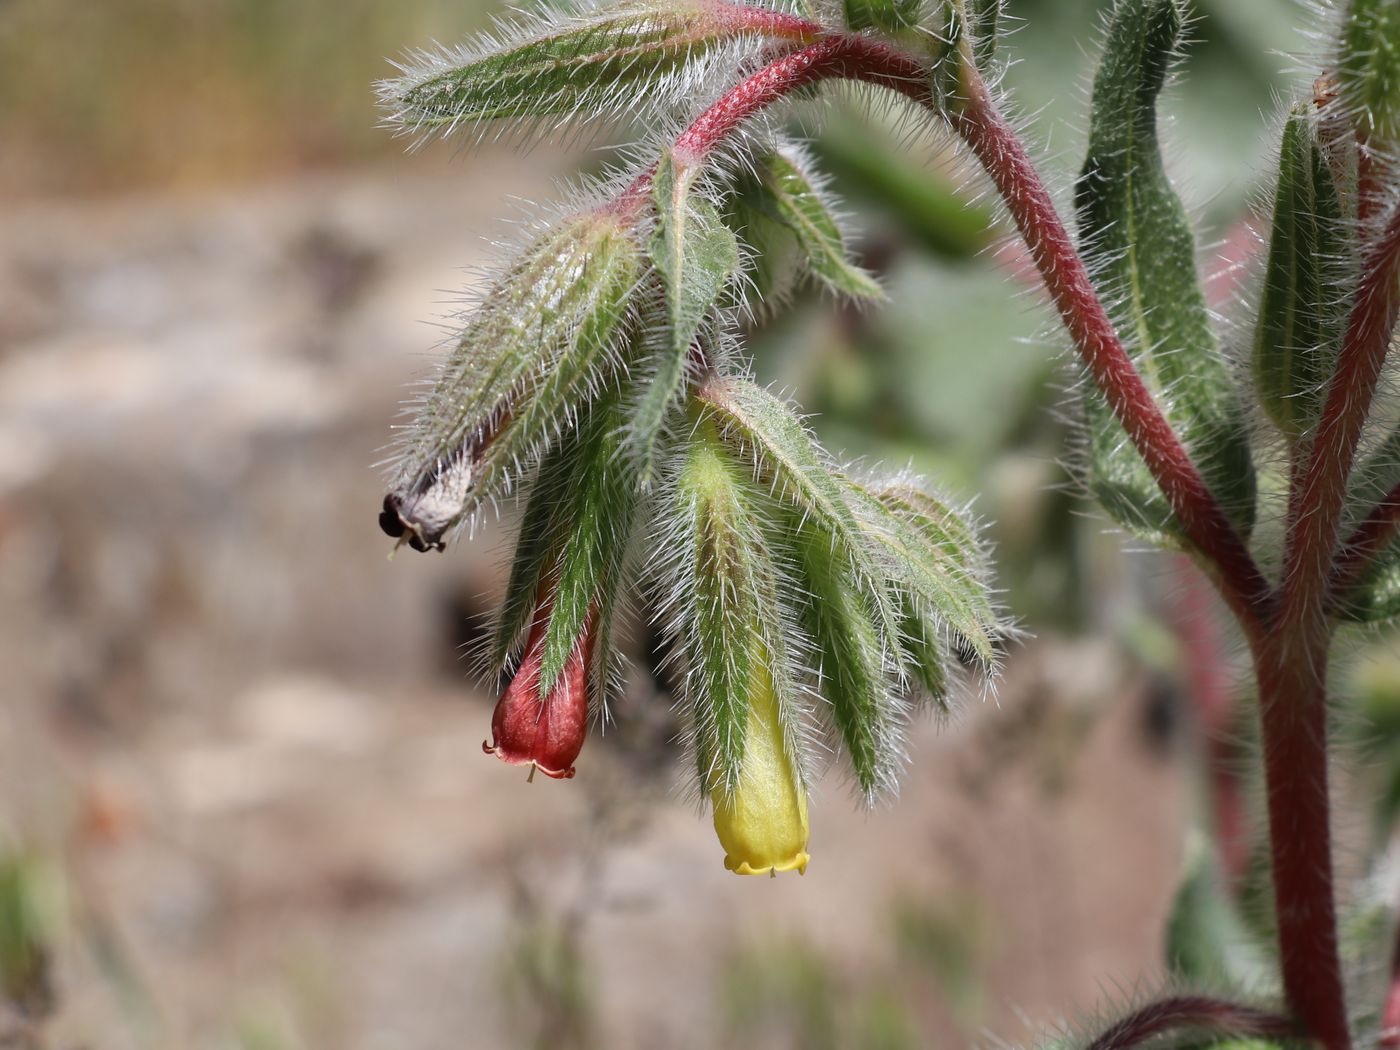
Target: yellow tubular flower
{"points": [[762, 824]]}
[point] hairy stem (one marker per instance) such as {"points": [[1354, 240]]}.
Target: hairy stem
{"points": [[1292, 678], [835, 56], [777, 24], [1291, 668], [1062, 269], [1319, 491], [1192, 1012], [1292, 664]]}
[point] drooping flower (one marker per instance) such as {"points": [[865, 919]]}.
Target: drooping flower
{"points": [[545, 732], [762, 823]]}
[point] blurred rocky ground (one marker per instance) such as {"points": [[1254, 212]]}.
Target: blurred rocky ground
{"points": [[240, 744]]}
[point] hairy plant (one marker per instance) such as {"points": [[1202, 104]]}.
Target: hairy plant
{"points": [[813, 606]]}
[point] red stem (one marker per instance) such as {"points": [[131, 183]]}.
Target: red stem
{"points": [[1004, 157], [840, 56], [1192, 1012], [1292, 661], [843, 56], [1292, 677], [1319, 494], [778, 24]]}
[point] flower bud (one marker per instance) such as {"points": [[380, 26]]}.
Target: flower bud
{"points": [[544, 340], [545, 733], [762, 823]]}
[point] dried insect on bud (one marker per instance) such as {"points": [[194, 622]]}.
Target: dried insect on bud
{"points": [[422, 517]]}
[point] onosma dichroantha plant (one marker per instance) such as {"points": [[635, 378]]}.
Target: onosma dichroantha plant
{"points": [[814, 606]]}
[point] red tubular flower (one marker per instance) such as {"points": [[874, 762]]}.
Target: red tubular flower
{"points": [[545, 733]]}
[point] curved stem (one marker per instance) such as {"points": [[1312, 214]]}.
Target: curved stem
{"points": [[1199, 1013], [1062, 269], [848, 56], [765, 22], [833, 56], [1290, 662]]}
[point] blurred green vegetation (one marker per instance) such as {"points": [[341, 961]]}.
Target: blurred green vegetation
{"points": [[27, 927]]}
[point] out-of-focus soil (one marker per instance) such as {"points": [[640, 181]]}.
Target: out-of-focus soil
{"points": [[240, 732]]}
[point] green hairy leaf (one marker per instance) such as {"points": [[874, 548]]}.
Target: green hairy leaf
{"points": [[1369, 71], [768, 250], [602, 498], [984, 24], [787, 191], [609, 61], [933, 557], [762, 426], [886, 576], [726, 609], [695, 256], [543, 527], [575, 530], [851, 666], [924, 653], [1302, 313], [544, 339], [888, 16], [1136, 238]]}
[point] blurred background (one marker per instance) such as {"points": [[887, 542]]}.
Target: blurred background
{"points": [[243, 802]]}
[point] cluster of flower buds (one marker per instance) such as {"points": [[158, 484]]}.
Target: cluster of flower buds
{"points": [[598, 382]]}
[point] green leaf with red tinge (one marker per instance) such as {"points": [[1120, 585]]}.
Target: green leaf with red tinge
{"points": [[1141, 250], [621, 59]]}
